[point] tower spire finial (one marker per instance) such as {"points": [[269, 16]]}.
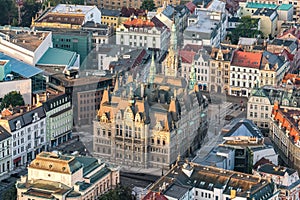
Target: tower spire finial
{"points": [[152, 72]]}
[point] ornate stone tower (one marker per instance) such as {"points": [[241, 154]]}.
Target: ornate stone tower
{"points": [[171, 61], [192, 81]]}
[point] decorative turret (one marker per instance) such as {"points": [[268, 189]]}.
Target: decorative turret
{"points": [[173, 40], [192, 80], [152, 71], [171, 62]]}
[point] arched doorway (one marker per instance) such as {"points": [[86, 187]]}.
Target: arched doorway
{"points": [[212, 88], [219, 89]]}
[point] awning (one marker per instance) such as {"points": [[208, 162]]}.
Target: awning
{"points": [[17, 159]]}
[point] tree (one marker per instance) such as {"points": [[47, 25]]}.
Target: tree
{"points": [[13, 98], [10, 194], [247, 28], [148, 5], [119, 193], [30, 9], [8, 12]]}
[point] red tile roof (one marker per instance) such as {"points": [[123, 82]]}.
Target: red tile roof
{"points": [[138, 23], [154, 196], [294, 78], [247, 59], [187, 56], [293, 31], [289, 119], [192, 47], [190, 6]]}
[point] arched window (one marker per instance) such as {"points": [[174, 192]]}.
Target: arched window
{"points": [[129, 131], [121, 130], [117, 130]]}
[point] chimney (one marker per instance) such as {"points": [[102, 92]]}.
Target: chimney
{"points": [[142, 90]]}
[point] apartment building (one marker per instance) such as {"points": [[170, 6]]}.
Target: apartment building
{"points": [[294, 3], [286, 179], [142, 33], [6, 151], [27, 125], [268, 21], [65, 177], [187, 180], [284, 133], [262, 100], [220, 69], [67, 16], [202, 66], [209, 28], [254, 69], [59, 122]]}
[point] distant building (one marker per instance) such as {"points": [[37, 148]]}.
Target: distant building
{"points": [[66, 177], [27, 125], [250, 70], [202, 66], [192, 181], [110, 17], [59, 119], [86, 93], [6, 151], [24, 44], [262, 100], [20, 70], [242, 147], [220, 69], [67, 16], [294, 3], [286, 179], [208, 29], [285, 134], [268, 21], [101, 33], [142, 33]]}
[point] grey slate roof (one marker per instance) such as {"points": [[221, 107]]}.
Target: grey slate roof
{"points": [[244, 128], [26, 118], [4, 134]]}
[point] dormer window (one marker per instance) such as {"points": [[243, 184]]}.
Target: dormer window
{"points": [[35, 117], [18, 124]]}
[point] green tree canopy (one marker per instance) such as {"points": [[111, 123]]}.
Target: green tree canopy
{"points": [[13, 98], [8, 11], [30, 9], [119, 193], [10, 194], [148, 5], [247, 28]]}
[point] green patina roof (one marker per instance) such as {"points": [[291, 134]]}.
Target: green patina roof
{"points": [[55, 56], [99, 175], [285, 7], [89, 164], [260, 5]]}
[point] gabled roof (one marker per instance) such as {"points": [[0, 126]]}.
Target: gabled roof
{"points": [[139, 23], [246, 59], [4, 134], [244, 128], [190, 6], [187, 56], [276, 170]]}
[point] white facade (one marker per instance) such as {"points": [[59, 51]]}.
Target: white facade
{"points": [[143, 37], [28, 130], [92, 13], [5, 152], [265, 152], [22, 86], [201, 63], [242, 80], [15, 48], [259, 110]]}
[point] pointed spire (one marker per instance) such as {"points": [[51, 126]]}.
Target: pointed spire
{"points": [[116, 88], [152, 72], [105, 97], [192, 80], [173, 39]]}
